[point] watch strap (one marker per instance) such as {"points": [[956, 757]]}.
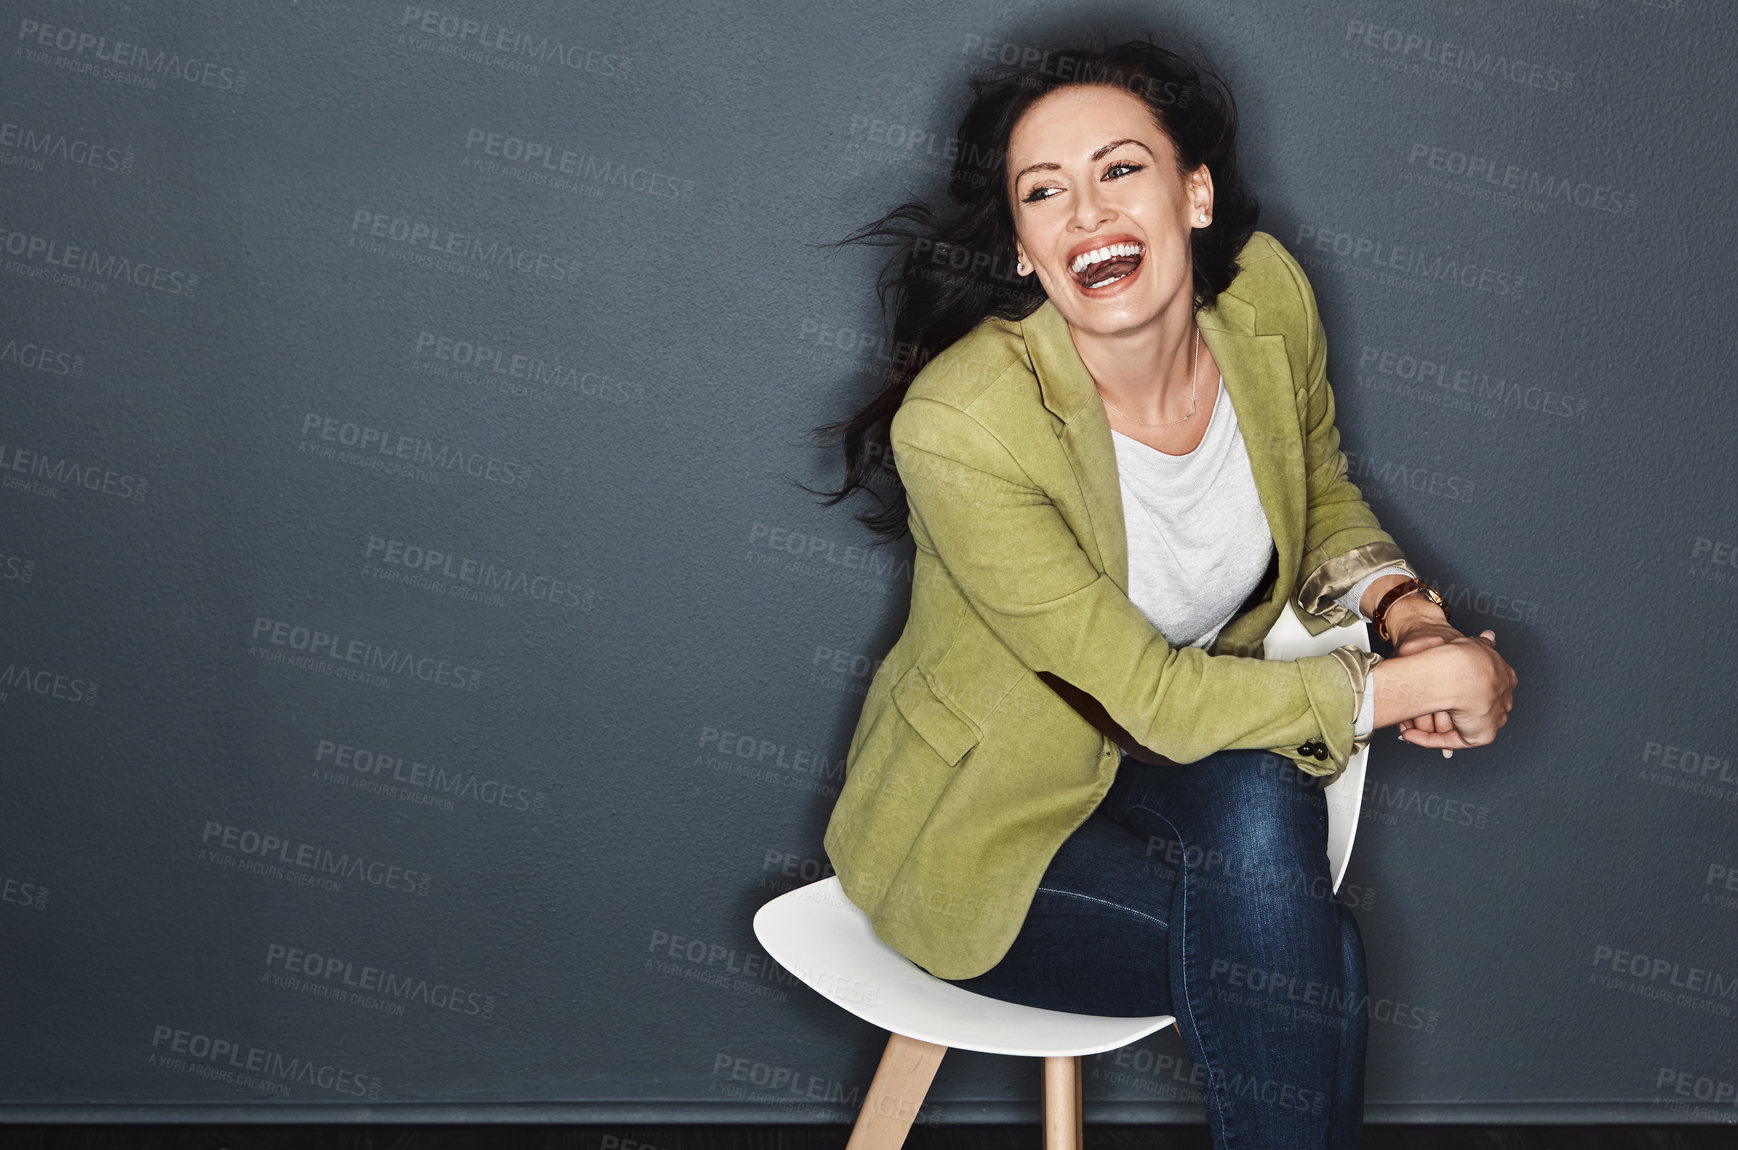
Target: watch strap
{"points": [[1405, 587]]}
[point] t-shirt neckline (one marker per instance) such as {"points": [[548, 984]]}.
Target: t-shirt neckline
{"points": [[1218, 393]]}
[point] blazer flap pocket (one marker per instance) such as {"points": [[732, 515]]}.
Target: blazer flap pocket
{"points": [[947, 732]]}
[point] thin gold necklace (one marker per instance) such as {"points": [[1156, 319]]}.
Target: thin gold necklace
{"points": [[1194, 364]]}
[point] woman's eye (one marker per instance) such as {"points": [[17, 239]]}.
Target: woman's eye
{"points": [[1116, 171]]}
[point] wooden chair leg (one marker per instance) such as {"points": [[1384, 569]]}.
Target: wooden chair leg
{"points": [[1064, 1117], [900, 1086]]}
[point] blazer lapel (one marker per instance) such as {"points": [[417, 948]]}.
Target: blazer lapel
{"points": [[1259, 382], [1068, 393]]}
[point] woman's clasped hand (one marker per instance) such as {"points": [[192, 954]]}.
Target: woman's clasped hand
{"points": [[1445, 689]]}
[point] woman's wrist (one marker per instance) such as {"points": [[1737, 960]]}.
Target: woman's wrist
{"points": [[1408, 686], [1378, 587], [1409, 611]]}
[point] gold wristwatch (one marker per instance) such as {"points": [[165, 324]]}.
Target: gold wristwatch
{"points": [[1404, 587]]}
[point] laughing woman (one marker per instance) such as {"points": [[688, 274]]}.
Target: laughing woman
{"points": [[1075, 783]]}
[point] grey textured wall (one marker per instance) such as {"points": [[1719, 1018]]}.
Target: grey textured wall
{"points": [[417, 666]]}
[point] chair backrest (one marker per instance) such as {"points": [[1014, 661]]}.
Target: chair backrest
{"points": [[1289, 640]]}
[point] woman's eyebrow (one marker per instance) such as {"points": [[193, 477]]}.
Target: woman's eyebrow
{"points": [[1109, 148], [1096, 156]]}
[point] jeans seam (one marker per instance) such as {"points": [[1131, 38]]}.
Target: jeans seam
{"points": [[1106, 902], [1215, 1083]]}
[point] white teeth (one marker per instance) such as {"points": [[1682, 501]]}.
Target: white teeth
{"points": [[1087, 259]]}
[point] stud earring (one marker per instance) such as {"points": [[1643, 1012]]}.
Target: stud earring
{"points": [[1203, 217]]}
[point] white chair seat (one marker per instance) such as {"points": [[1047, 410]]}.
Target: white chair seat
{"points": [[822, 938]]}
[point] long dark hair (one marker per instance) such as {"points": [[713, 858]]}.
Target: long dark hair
{"points": [[950, 271]]}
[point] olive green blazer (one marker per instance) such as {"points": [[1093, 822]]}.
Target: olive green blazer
{"points": [[992, 728]]}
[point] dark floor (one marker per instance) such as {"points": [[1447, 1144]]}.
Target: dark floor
{"points": [[819, 1138]]}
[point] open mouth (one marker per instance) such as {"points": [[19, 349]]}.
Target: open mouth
{"points": [[1105, 265]]}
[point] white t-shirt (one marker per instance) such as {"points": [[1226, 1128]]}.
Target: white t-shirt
{"points": [[1198, 540]]}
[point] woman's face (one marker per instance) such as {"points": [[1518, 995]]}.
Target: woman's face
{"points": [[1100, 211]]}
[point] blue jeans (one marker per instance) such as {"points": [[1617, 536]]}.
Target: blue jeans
{"points": [[1203, 891]]}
